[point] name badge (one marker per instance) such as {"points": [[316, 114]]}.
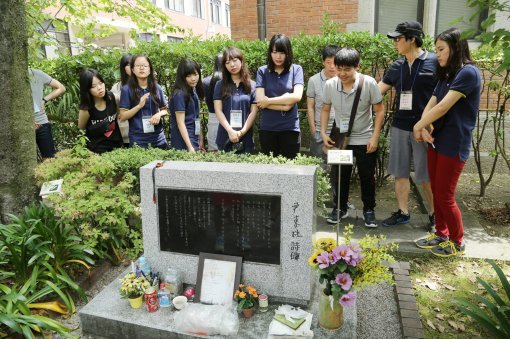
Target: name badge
{"points": [[236, 118], [147, 126], [406, 100], [197, 126], [344, 125]]}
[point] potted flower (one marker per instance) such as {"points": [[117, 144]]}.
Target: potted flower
{"points": [[246, 297], [345, 268], [132, 288]]}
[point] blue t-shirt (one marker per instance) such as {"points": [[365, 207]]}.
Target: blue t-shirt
{"points": [[276, 85], [239, 100], [191, 111], [421, 79], [136, 134], [453, 134]]}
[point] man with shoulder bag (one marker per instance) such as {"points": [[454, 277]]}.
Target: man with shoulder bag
{"points": [[352, 95]]}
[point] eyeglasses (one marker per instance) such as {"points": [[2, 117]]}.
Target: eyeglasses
{"points": [[397, 39], [142, 66], [99, 84], [278, 53]]}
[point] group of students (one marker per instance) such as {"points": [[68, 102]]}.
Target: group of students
{"points": [[437, 100]]}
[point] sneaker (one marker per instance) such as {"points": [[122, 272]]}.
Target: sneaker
{"points": [[431, 225], [431, 241], [332, 218], [448, 249], [369, 217], [397, 218]]}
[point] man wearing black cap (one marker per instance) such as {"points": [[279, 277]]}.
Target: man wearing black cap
{"points": [[413, 77]]}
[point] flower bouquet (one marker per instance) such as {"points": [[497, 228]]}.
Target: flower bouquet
{"points": [[246, 297], [350, 266]]}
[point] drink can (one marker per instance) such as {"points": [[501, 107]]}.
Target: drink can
{"points": [[151, 299]]}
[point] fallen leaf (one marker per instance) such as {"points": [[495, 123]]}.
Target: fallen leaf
{"points": [[453, 324], [472, 279], [440, 316], [440, 328], [451, 288], [418, 280], [431, 324], [462, 328], [437, 309], [480, 287]]}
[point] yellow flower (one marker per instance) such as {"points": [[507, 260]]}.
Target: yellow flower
{"points": [[315, 254], [241, 285], [236, 294], [242, 295]]}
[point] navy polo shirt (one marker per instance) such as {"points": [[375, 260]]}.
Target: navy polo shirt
{"points": [[191, 111], [453, 135], [276, 85], [398, 75], [208, 98], [136, 134], [238, 100]]}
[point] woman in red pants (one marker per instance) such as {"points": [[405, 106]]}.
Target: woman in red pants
{"points": [[446, 125]]}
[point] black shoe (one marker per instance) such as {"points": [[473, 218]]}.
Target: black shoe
{"points": [[333, 217], [448, 249], [397, 218], [431, 241], [369, 217]]}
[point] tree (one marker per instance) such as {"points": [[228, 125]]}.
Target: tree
{"points": [[42, 14], [17, 136]]}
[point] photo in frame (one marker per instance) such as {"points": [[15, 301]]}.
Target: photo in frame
{"points": [[218, 277]]}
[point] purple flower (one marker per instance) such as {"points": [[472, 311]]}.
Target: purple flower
{"points": [[344, 280], [348, 299], [323, 259], [342, 252], [354, 259], [355, 247]]}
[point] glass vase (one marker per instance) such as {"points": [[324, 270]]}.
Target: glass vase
{"points": [[330, 318]]}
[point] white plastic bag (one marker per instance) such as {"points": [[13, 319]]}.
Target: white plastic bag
{"points": [[207, 320]]}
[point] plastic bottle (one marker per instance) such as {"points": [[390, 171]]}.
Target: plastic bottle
{"points": [[164, 296], [145, 267]]}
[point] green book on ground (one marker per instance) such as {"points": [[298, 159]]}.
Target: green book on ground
{"points": [[292, 324]]}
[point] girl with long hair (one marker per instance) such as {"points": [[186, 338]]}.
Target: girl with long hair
{"points": [[125, 73], [186, 133], [209, 83], [234, 104], [446, 125], [143, 103], [98, 113], [279, 89]]}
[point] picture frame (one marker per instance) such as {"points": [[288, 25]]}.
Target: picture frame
{"points": [[218, 277]]}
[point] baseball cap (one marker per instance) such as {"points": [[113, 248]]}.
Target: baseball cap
{"points": [[407, 28]]}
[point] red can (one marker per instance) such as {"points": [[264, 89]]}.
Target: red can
{"points": [[151, 299]]}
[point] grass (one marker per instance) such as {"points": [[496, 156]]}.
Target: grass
{"points": [[439, 282]]}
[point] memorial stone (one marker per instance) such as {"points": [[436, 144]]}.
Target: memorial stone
{"points": [[263, 213]]}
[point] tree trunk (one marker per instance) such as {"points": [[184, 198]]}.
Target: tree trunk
{"points": [[17, 136]]}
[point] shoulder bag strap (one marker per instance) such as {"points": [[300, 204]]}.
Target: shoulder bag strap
{"points": [[355, 103]]}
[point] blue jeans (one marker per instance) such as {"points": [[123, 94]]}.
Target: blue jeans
{"points": [[44, 140]]}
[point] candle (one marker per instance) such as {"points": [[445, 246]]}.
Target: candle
{"points": [[263, 303]]}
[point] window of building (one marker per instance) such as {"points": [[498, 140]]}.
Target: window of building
{"points": [[148, 37], [227, 15], [389, 13], [173, 39], [215, 11], [61, 36], [449, 11], [196, 8], [175, 5]]}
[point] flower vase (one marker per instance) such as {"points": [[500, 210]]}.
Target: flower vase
{"points": [[330, 318], [248, 312], [136, 302]]}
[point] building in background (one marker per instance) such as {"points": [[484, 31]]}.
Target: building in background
{"points": [[253, 19], [203, 18]]}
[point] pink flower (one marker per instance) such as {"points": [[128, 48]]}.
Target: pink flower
{"points": [[354, 259], [344, 280], [348, 299], [323, 259], [342, 252], [355, 247]]}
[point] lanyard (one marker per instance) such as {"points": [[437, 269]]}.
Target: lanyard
{"points": [[415, 74], [196, 103], [142, 92]]}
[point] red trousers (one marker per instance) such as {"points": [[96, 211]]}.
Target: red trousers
{"points": [[444, 173]]}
